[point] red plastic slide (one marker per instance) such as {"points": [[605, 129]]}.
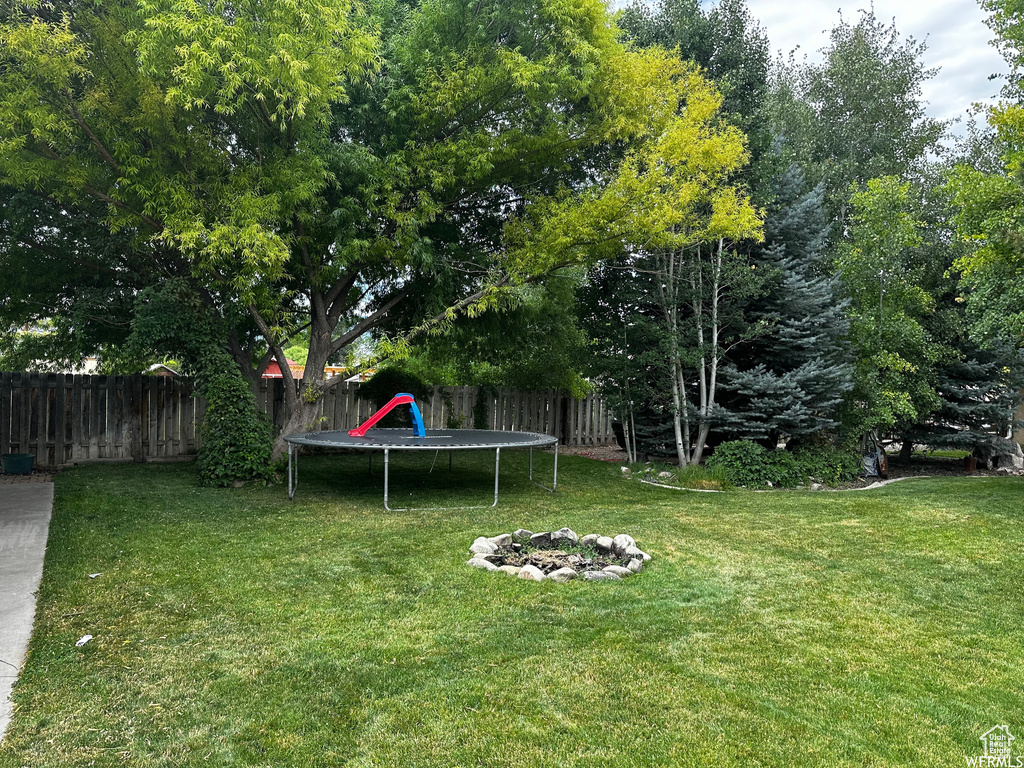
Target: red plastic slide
{"points": [[402, 398]]}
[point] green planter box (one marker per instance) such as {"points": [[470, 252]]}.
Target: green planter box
{"points": [[17, 463]]}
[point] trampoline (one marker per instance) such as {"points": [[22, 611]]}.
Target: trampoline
{"points": [[388, 440]]}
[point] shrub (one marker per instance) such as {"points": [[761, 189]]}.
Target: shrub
{"points": [[236, 436], [747, 463], [481, 408], [828, 464]]}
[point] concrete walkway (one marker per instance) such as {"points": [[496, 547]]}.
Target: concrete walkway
{"points": [[24, 524]]}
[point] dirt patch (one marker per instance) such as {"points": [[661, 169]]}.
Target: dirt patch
{"points": [[922, 466]]}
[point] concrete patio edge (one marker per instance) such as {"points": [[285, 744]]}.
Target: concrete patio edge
{"points": [[24, 526]]}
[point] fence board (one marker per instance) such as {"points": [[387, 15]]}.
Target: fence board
{"points": [[168, 410], [36, 413], [25, 410], [114, 427], [60, 437], [152, 417], [188, 420]]}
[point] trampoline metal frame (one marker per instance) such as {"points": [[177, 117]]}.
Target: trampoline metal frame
{"points": [[295, 448]]}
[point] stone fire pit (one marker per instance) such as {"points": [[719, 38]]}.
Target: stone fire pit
{"points": [[558, 555]]}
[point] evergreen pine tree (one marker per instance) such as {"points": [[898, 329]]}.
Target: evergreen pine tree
{"points": [[979, 390], [789, 381]]}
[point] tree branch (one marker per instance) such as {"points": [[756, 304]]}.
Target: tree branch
{"points": [[368, 322], [154, 223], [290, 394], [333, 298], [104, 153]]}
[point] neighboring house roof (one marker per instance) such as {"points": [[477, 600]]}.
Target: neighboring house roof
{"points": [[159, 369], [273, 370]]}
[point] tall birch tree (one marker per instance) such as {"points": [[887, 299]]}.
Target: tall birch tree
{"points": [[698, 276]]}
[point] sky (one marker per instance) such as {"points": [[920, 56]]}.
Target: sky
{"points": [[954, 31]]}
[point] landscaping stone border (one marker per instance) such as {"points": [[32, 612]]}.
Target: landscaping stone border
{"points": [[587, 556]]}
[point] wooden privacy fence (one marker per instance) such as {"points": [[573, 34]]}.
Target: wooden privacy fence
{"points": [[65, 418]]}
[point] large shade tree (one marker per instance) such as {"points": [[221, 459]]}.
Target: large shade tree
{"points": [[69, 284], [732, 48], [338, 169], [883, 275]]}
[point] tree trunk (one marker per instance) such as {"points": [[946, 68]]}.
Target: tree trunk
{"points": [[702, 439], [302, 417], [677, 415], [302, 398], [906, 451], [669, 295], [631, 437]]}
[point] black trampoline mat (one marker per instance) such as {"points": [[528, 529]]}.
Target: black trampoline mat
{"points": [[435, 439]]}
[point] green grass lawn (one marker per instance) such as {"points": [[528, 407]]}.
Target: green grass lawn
{"points": [[235, 628]]}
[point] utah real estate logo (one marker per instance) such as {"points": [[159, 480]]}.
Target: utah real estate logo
{"points": [[997, 743]]}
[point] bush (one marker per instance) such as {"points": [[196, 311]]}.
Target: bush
{"points": [[747, 463], [750, 464], [236, 442], [829, 465], [237, 438]]}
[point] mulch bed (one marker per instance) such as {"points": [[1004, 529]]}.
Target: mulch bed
{"points": [[600, 452]]}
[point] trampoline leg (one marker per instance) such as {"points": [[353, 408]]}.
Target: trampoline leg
{"points": [[292, 487], [386, 480], [497, 457], [370, 454], [450, 461], [554, 482]]}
